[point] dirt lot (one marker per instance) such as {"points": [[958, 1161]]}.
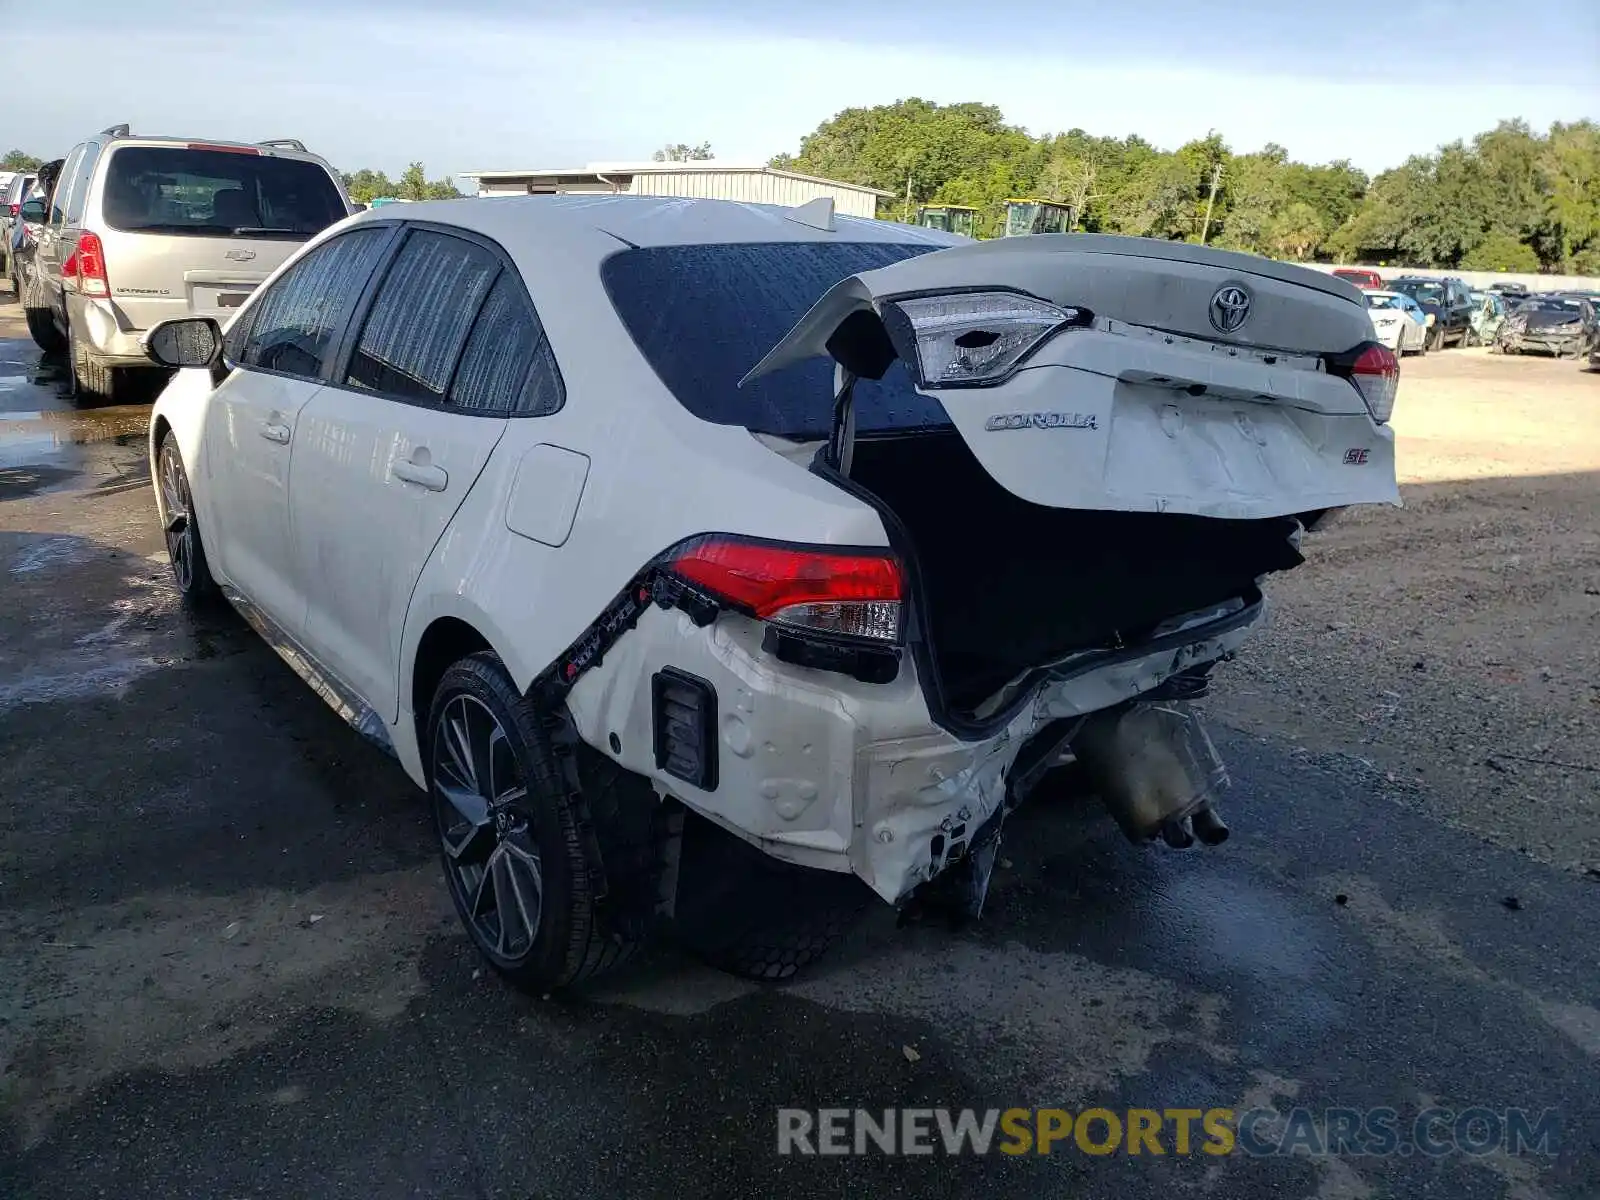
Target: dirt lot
{"points": [[1455, 643]]}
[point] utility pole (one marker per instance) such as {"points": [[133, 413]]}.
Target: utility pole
{"points": [[908, 196], [1216, 178]]}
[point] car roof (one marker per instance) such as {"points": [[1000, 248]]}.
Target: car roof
{"points": [[120, 141], [526, 222]]}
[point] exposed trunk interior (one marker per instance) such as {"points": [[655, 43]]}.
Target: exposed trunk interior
{"points": [[1010, 585]]}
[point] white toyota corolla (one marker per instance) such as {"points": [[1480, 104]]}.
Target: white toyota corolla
{"points": [[728, 563]]}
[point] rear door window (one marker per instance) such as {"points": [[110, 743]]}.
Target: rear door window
{"points": [[420, 318], [293, 327], [65, 182], [182, 191], [508, 368], [80, 189], [702, 316]]}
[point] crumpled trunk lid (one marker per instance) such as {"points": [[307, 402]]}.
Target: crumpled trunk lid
{"points": [[1202, 385]]}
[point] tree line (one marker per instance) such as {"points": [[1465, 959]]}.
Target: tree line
{"points": [[1508, 199]]}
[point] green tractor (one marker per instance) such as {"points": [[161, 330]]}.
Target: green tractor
{"points": [[949, 218], [1037, 216]]}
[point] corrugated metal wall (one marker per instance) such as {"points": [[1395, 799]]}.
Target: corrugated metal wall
{"points": [[754, 187]]}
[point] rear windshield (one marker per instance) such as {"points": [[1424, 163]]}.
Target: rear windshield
{"points": [[702, 316], [1419, 289], [216, 193]]}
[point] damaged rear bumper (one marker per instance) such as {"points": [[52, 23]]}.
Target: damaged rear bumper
{"points": [[832, 773]]}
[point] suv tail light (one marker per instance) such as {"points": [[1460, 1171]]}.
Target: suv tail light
{"points": [[16, 209], [1374, 371], [845, 594], [85, 268]]}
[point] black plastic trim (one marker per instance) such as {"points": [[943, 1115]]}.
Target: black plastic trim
{"points": [[705, 751], [860, 659]]}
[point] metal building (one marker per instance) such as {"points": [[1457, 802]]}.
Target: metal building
{"points": [[708, 180]]}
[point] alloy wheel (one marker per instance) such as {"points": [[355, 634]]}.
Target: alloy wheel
{"points": [[178, 526], [480, 802]]}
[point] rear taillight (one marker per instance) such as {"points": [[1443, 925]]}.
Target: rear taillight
{"points": [[838, 593], [1374, 371], [16, 209], [85, 268]]}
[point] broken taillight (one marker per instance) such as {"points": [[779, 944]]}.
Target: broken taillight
{"points": [[973, 339], [1374, 371], [852, 594]]}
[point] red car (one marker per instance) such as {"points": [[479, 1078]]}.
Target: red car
{"points": [[1370, 280]]}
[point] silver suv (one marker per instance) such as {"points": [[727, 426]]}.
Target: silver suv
{"points": [[140, 229]]}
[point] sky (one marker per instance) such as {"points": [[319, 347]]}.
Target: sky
{"points": [[508, 84]]}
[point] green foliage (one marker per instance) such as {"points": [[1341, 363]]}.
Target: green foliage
{"points": [[1295, 232], [682, 153], [1466, 202], [367, 185], [16, 160], [1501, 252], [917, 149]]}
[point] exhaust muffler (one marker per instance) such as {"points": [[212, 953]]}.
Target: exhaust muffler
{"points": [[1155, 769]]}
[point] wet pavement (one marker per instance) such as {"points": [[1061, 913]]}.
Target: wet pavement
{"points": [[228, 966]]}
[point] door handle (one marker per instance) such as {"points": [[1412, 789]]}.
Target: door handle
{"points": [[274, 432], [423, 474]]}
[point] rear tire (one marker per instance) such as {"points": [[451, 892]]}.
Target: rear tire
{"points": [[512, 830], [753, 916], [42, 329], [90, 380]]}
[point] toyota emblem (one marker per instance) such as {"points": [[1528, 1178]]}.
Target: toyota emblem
{"points": [[1230, 307]]}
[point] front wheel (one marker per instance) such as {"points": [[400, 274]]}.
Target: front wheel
{"points": [[185, 550], [511, 835]]}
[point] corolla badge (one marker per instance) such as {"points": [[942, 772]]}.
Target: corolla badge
{"points": [[1042, 420], [240, 255], [1230, 307]]}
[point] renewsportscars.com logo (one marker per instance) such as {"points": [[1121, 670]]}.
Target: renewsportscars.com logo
{"points": [[1256, 1132]]}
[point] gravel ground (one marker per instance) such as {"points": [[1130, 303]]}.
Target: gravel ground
{"points": [[1455, 643]]}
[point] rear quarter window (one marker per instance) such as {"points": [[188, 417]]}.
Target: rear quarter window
{"points": [[178, 191], [702, 316]]}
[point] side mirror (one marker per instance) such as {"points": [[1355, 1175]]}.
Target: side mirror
{"points": [[184, 342], [34, 210]]}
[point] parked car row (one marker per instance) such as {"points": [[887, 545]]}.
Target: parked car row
{"points": [[129, 230], [1503, 316]]}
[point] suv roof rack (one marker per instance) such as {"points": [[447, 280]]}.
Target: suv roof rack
{"points": [[116, 130], [286, 144]]}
